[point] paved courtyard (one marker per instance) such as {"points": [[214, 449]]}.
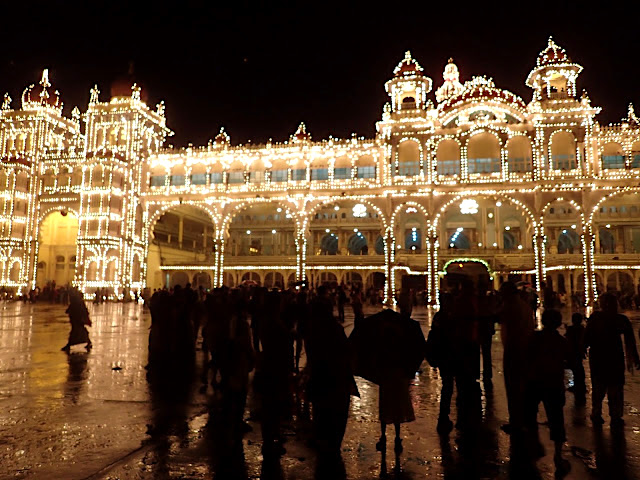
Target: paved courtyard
{"points": [[92, 415]]}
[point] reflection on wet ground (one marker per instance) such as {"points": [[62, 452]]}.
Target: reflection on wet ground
{"points": [[94, 415]]}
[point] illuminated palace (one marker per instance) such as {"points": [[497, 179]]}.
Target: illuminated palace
{"points": [[472, 178]]}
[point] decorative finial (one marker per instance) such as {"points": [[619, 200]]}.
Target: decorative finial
{"points": [[75, 113], [44, 81], [407, 55], [6, 102], [94, 95], [631, 116], [160, 108], [135, 92]]}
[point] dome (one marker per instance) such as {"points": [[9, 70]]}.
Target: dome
{"points": [[552, 54], [41, 94], [451, 86], [408, 66], [482, 89]]}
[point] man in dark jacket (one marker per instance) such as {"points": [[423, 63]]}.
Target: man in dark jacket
{"points": [[607, 358]]}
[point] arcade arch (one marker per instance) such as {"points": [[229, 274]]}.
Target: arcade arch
{"points": [[344, 227], [57, 248], [182, 235]]}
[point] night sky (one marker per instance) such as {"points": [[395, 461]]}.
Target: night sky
{"points": [[258, 69]]}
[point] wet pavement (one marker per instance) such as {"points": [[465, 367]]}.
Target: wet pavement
{"points": [[93, 415]]}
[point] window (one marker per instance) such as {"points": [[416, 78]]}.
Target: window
{"points": [[367, 172], [635, 161], [612, 161], [256, 177], [279, 175], [342, 173], [563, 162], [484, 165], [236, 177], [319, 174], [408, 168], [199, 179], [520, 165], [448, 167], [158, 180], [177, 180], [299, 174], [215, 177]]}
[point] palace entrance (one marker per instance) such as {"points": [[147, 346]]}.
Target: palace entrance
{"points": [[459, 270], [57, 249]]}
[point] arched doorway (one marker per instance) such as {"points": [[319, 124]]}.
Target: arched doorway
{"points": [[458, 271], [57, 249], [181, 237]]}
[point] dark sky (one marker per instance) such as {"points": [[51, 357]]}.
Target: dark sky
{"points": [[259, 68]]}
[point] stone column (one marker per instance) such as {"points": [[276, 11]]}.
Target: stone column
{"points": [[588, 247], [539, 261], [433, 279], [389, 261], [180, 230], [301, 253]]}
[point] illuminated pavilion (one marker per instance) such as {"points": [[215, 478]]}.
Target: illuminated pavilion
{"points": [[470, 177]]}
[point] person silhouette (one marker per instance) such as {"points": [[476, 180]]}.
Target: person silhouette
{"points": [[602, 338]]}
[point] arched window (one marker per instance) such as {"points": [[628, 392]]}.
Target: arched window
{"points": [[448, 158], [483, 153], [320, 169], [408, 103], [563, 151], [635, 155], [92, 271], [612, 156], [14, 272], [357, 244], [329, 244], [279, 171], [366, 167], [607, 241], [178, 176], [342, 168], [299, 172], [236, 173], [408, 158], [198, 174], [256, 172], [216, 174], [379, 245], [568, 241], [519, 155], [413, 239]]}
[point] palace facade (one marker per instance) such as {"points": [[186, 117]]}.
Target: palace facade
{"points": [[472, 177]]}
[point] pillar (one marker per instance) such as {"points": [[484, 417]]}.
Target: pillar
{"points": [[389, 263], [180, 230], [588, 248], [433, 279], [301, 254], [218, 264], [539, 260], [204, 238]]}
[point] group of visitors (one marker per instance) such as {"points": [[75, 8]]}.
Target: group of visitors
{"points": [[266, 331], [534, 361]]}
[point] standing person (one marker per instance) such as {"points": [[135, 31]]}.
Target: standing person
{"points": [[238, 362], [79, 318], [342, 299], [331, 381], [546, 354], [602, 337], [439, 354], [575, 338], [356, 304], [486, 330], [394, 398], [516, 327]]}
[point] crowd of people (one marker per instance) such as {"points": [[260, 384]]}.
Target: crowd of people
{"points": [[302, 361]]}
